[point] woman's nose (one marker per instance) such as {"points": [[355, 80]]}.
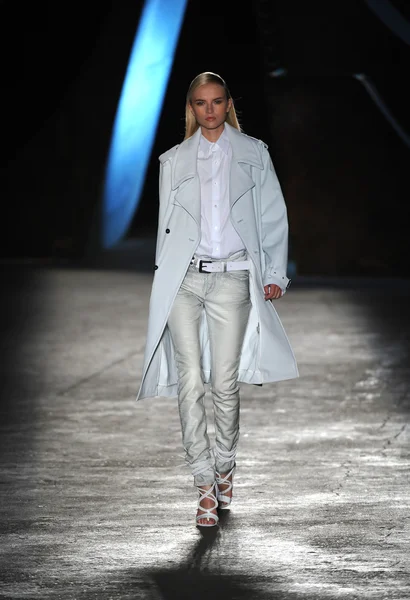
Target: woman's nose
{"points": [[209, 108]]}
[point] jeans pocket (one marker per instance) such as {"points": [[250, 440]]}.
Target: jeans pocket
{"points": [[238, 275]]}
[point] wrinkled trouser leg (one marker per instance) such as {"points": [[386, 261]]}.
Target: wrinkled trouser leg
{"points": [[227, 308], [184, 323], [225, 299]]}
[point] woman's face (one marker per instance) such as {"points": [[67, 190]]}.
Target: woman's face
{"points": [[209, 105]]}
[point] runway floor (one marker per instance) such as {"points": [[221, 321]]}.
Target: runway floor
{"points": [[96, 502]]}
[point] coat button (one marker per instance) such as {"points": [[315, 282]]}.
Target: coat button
{"points": [[156, 267], [167, 230]]}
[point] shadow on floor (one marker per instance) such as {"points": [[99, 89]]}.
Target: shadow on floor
{"points": [[201, 576]]}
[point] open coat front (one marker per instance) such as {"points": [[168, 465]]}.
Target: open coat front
{"points": [[258, 213]]}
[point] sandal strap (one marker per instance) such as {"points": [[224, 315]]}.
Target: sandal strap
{"points": [[206, 512], [225, 480], [207, 515], [221, 494], [203, 493], [224, 499]]}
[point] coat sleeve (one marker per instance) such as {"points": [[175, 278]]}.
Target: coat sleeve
{"points": [[275, 227]]}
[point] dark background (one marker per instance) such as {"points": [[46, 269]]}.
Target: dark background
{"points": [[342, 166]]}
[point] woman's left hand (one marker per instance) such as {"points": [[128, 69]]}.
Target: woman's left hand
{"points": [[272, 292]]}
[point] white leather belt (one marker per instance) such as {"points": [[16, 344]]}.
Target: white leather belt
{"points": [[219, 266]]}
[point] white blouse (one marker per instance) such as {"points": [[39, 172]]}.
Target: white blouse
{"points": [[219, 238]]}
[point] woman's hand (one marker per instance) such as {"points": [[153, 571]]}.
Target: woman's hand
{"points": [[272, 292]]}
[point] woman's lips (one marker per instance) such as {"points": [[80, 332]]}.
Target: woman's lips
{"points": [[210, 119]]}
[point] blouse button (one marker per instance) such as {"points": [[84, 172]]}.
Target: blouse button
{"points": [[167, 230]]}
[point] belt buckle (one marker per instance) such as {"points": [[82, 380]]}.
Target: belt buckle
{"points": [[201, 262]]}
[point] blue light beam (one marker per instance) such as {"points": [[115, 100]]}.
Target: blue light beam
{"points": [[138, 114]]}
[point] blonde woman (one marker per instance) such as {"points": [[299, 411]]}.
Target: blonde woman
{"points": [[221, 259]]}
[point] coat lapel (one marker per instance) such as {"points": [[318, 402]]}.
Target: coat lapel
{"points": [[185, 178], [244, 153], [240, 182]]}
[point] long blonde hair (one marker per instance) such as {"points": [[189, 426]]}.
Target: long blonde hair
{"points": [[207, 77]]}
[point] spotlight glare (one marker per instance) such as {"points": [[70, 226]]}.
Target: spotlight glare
{"points": [[138, 114]]}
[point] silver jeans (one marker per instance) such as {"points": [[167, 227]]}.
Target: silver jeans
{"points": [[226, 301]]}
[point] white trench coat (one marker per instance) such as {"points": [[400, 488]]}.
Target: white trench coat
{"points": [[259, 215]]}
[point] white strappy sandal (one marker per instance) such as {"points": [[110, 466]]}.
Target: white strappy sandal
{"points": [[207, 514], [223, 500]]}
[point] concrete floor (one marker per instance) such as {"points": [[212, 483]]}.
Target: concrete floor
{"points": [[96, 502]]}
